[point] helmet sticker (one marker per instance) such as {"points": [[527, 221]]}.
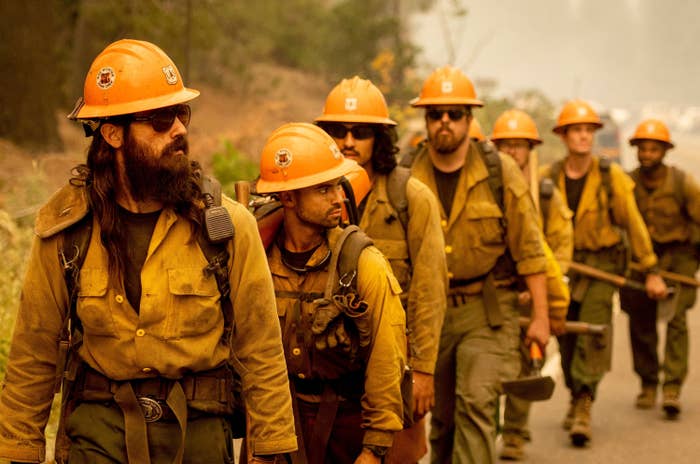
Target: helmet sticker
{"points": [[512, 124], [170, 74], [105, 78], [651, 128], [336, 152], [582, 111], [447, 87], [283, 158], [351, 104]]}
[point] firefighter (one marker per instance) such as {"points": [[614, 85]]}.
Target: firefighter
{"points": [[149, 375], [601, 196], [669, 200], [401, 216], [491, 237], [515, 133], [338, 303]]}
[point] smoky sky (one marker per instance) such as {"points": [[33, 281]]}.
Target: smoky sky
{"points": [[621, 53]]}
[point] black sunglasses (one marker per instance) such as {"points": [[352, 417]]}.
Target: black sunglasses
{"points": [[339, 131], [454, 115], [163, 119]]}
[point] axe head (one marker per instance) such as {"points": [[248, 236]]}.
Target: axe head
{"points": [[666, 308], [536, 388]]}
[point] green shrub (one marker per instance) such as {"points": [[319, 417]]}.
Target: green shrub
{"points": [[231, 165]]}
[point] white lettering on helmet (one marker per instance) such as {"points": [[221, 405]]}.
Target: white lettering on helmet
{"points": [[170, 74], [283, 158], [447, 87], [351, 104], [106, 78], [336, 152]]}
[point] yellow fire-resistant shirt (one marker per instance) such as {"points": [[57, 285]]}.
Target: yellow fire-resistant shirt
{"points": [[176, 331], [666, 219], [559, 230], [474, 235], [559, 248], [381, 402], [417, 258], [593, 229]]}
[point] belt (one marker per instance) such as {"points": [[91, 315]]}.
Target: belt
{"points": [[145, 401], [212, 385], [462, 289]]}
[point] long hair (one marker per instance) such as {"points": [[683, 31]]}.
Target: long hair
{"points": [[99, 176], [385, 149]]}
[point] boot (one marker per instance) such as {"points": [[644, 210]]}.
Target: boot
{"points": [[569, 419], [647, 398], [580, 432], [512, 449], [671, 403]]}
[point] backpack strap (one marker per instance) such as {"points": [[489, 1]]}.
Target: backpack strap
{"points": [[342, 275], [213, 246], [396, 191], [73, 244], [555, 171], [492, 161], [505, 266], [546, 193], [678, 190]]}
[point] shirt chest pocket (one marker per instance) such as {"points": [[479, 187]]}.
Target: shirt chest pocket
{"points": [[93, 306], [194, 307], [664, 215], [484, 219]]}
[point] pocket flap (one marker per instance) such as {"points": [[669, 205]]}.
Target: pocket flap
{"points": [[93, 282], [191, 281], [483, 209]]}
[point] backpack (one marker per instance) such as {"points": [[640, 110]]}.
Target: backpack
{"points": [[218, 230], [396, 191]]}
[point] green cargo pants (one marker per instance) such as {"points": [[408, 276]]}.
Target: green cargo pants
{"points": [[473, 360], [96, 431], [585, 359], [642, 324]]}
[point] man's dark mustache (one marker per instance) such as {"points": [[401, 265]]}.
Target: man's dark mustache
{"points": [[350, 151], [179, 144]]}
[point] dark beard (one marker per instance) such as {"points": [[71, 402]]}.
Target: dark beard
{"points": [[166, 179], [652, 170], [446, 143]]}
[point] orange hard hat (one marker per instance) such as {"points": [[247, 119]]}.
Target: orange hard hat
{"points": [[447, 86], [299, 155], [130, 76], [475, 131], [577, 112], [652, 129], [356, 100], [515, 124]]}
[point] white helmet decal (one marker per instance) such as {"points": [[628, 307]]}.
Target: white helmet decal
{"points": [[351, 104], [447, 87], [106, 78], [170, 74], [283, 158]]}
